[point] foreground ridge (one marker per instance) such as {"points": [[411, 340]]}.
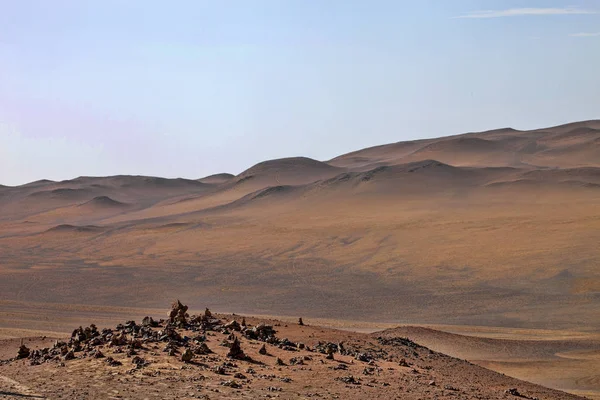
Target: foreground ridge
{"points": [[211, 356]]}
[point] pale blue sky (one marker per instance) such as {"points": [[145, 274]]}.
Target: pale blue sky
{"points": [[191, 88]]}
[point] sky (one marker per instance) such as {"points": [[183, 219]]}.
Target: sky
{"points": [[192, 88]]}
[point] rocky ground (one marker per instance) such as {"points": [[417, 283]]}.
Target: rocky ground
{"points": [[210, 356]]}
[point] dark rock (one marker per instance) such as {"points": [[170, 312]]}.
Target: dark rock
{"points": [[149, 322], [178, 314], [262, 350], [98, 354], [139, 362], [112, 362], [23, 351], [219, 369], [233, 325], [235, 351], [296, 361], [349, 379], [231, 384], [202, 349], [187, 355]]}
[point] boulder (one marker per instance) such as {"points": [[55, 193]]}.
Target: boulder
{"points": [[187, 355], [235, 350], [263, 350], [178, 313], [23, 351]]}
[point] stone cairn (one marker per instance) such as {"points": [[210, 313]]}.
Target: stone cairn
{"points": [[173, 334]]}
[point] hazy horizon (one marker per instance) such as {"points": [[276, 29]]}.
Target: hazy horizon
{"points": [[197, 88]]}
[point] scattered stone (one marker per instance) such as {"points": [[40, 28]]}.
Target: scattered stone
{"points": [[231, 384], [300, 322], [296, 361], [202, 349], [112, 362], [98, 354], [149, 322], [279, 361], [139, 362], [233, 325], [368, 371], [219, 369], [349, 379], [262, 332], [364, 357]]}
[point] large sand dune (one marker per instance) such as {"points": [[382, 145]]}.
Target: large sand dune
{"points": [[498, 228]]}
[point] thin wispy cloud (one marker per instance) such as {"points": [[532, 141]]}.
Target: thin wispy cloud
{"points": [[522, 12], [585, 34]]}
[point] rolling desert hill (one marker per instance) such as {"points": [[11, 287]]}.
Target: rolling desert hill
{"points": [[498, 229]]}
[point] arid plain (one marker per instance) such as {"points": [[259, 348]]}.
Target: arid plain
{"points": [[490, 242]]}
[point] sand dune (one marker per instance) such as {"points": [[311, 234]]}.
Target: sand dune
{"points": [[73, 228], [103, 202], [564, 146], [287, 171], [217, 178], [496, 228]]}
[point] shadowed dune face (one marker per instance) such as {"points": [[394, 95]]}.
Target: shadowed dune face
{"points": [[491, 228]]}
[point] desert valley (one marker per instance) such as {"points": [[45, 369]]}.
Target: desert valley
{"points": [[482, 246]]}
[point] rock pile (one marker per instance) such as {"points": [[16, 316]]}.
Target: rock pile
{"points": [[170, 335], [129, 338]]}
